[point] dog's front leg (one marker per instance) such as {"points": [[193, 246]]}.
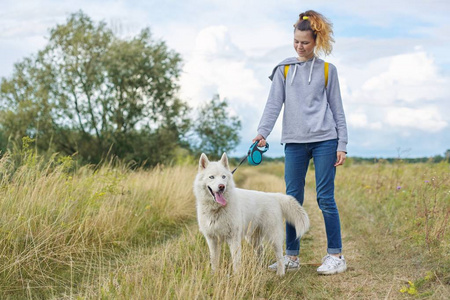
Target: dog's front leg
{"points": [[235, 249], [214, 251]]}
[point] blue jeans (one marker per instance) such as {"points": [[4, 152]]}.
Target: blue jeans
{"points": [[297, 157]]}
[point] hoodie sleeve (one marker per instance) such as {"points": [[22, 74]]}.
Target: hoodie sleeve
{"points": [[274, 103], [335, 102]]}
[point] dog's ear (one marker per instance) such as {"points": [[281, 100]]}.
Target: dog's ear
{"points": [[224, 160], [203, 163]]}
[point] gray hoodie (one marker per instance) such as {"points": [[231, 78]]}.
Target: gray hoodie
{"points": [[312, 113]]}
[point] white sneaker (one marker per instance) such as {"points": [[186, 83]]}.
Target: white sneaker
{"points": [[290, 264], [332, 265]]}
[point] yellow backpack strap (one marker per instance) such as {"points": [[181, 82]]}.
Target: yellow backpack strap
{"points": [[286, 69]]}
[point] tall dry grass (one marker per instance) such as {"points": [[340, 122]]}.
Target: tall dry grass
{"points": [[61, 230], [106, 232], [412, 201]]}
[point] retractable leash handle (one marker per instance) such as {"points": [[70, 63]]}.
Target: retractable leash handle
{"points": [[255, 153]]}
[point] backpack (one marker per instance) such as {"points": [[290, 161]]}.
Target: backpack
{"points": [[325, 70]]}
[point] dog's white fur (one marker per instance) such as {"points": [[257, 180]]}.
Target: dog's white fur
{"points": [[251, 214]]}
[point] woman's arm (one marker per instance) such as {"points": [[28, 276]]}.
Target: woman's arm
{"points": [[273, 105]]}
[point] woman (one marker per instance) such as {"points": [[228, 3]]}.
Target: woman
{"points": [[313, 127]]}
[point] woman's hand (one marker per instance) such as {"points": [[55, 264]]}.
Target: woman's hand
{"points": [[261, 139], [340, 158]]}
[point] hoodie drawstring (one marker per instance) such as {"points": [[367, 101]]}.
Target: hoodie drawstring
{"points": [[310, 71], [293, 75]]}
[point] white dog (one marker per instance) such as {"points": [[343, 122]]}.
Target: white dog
{"points": [[227, 213]]}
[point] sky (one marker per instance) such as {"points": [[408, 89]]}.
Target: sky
{"points": [[391, 56]]}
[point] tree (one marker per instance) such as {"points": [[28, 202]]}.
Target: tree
{"points": [[216, 130], [91, 92]]}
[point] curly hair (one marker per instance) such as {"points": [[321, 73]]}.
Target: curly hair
{"points": [[321, 28]]}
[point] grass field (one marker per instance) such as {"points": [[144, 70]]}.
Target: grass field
{"points": [[112, 233]]}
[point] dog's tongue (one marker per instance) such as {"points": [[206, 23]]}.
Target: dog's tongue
{"points": [[220, 199]]}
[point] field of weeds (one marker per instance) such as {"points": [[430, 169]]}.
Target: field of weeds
{"points": [[108, 232]]}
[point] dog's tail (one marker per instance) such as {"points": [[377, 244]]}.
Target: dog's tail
{"points": [[294, 214]]}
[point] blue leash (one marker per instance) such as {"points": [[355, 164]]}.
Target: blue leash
{"points": [[254, 155]]}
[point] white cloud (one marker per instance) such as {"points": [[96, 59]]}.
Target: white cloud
{"points": [[395, 89], [217, 65], [401, 79], [409, 77], [360, 120], [427, 119]]}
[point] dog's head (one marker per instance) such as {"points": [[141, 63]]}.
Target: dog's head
{"points": [[215, 178]]}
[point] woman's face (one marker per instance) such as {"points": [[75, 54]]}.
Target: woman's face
{"points": [[304, 44]]}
